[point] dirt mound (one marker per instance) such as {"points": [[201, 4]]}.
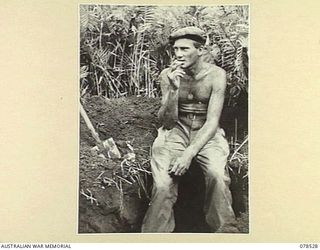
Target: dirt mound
{"points": [[111, 198], [114, 193]]}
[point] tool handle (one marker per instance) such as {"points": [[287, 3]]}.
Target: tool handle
{"points": [[95, 135]]}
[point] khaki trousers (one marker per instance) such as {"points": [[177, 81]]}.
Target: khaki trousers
{"points": [[212, 159]]}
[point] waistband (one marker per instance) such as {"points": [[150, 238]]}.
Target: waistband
{"points": [[198, 108]]}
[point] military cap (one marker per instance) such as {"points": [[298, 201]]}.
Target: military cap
{"points": [[191, 32]]}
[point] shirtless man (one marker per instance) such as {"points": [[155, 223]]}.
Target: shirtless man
{"points": [[192, 100]]}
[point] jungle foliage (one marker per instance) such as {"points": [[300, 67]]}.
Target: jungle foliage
{"points": [[124, 48]]}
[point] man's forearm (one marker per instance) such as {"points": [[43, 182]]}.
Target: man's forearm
{"points": [[168, 112], [204, 134]]}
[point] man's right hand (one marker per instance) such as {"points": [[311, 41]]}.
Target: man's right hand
{"points": [[175, 73]]}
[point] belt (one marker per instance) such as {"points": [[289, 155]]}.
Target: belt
{"points": [[193, 107]]}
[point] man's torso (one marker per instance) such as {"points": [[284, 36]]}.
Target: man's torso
{"points": [[194, 96]]}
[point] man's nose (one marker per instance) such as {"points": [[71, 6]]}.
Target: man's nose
{"points": [[179, 54]]}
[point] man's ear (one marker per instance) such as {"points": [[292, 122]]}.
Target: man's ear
{"points": [[200, 50]]}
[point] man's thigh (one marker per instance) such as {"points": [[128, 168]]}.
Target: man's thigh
{"points": [[168, 145]]}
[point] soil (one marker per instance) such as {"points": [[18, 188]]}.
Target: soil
{"points": [[114, 193]]}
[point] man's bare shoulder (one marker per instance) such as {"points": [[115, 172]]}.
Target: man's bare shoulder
{"points": [[218, 75], [215, 70]]}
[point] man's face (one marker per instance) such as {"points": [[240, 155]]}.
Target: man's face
{"points": [[186, 53]]}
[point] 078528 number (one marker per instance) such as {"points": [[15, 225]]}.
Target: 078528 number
{"points": [[309, 246]]}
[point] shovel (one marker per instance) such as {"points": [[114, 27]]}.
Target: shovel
{"points": [[106, 148]]}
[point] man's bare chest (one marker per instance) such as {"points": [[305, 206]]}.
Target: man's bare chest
{"points": [[195, 91]]}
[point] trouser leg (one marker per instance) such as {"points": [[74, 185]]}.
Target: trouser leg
{"points": [[160, 216], [212, 159]]}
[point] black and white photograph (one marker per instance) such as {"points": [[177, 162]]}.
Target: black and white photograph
{"points": [[163, 123]]}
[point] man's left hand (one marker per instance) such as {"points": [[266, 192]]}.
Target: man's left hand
{"points": [[180, 165]]}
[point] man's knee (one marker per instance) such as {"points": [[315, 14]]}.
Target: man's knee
{"points": [[213, 174], [217, 176], [213, 167]]}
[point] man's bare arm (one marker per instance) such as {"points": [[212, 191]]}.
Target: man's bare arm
{"points": [[168, 113]]}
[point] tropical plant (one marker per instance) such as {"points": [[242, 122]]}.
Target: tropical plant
{"points": [[124, 48]]}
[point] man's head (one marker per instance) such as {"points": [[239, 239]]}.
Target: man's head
{"points": [[188, 45]]}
